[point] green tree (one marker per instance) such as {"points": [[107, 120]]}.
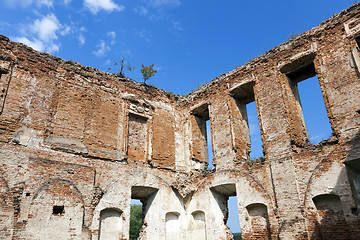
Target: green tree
{"points": [[147, 71], [135, 221], [119, 66]]}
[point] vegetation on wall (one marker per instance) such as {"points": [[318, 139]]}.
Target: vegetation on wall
{"points": [[135, 221], [122, 65]]}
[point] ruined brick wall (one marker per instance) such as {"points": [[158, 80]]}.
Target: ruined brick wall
{"points": [[78, 144]]}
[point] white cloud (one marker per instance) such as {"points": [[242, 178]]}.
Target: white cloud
{"points": [[107, 5], [142, 10], [42, 34], [65, 31], [160, 3], [35, 44], [112, 36], [81, 39], [48, 3], [102, 48], [27, 3], [144, 34], [46, 27], [66, 2], [176, 27]]}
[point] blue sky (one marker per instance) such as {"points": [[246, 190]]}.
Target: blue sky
{"points": [[189, 42]]}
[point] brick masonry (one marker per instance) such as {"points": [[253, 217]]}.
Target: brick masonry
{"points": [[77, 144]]}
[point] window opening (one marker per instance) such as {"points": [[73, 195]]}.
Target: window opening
{"points": [[58, 210], [306, 89], [141, 199], [201, 127], [227, 193], [136, 218], [245, 100], [209, 145], [254, 132], [357, 40], [355, 56], [233, 221]]}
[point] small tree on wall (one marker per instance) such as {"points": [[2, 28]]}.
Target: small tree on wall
{"points": [[147, 71], [119, 67], [122, 65]]}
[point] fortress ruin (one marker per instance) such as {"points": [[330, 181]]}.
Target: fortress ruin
{"points": [[77, 144]]}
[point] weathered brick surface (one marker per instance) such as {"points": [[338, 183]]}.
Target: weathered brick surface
{"points": [[88, 141]]}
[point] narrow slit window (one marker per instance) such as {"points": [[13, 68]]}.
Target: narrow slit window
{"points": [[310, 103], [209, 145], [254, 132]]}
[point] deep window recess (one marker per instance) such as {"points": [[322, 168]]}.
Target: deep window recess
{"points": [[203, 124], [355, 56], [357, 40], [310, 103], [227, 193], [245, 100], [141, 199], [58, 210]]}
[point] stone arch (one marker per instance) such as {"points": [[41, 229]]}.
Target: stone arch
{"points": [[327, 183], [233, 177], [56, 211], [118, 194], [6, 210], [316, 186], [248, 190], [111, 224]]}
